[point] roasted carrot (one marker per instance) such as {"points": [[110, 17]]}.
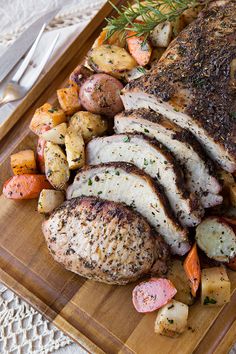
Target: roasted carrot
{"points": [[25, 186], [192, 269], [139, 48]]}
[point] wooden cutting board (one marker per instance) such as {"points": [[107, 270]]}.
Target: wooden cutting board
{"points": [[101, 318]]}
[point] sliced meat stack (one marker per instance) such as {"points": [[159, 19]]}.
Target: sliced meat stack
{"points": [[153, 158], [194, 83], [198, 169], [104, 241], [123, 182]]}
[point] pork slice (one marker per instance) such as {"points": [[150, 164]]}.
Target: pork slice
{"points": [[198, 169], [104, 241], [153, 158], [194, 83], [123, 182]]}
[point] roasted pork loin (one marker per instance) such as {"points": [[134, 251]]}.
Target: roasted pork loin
{"points": [[194, 82], [198, 168], [123, 182], [104, 241], [153, 158]]}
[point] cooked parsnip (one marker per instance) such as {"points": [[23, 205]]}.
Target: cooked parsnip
{"points": [[217, 239], [172, 319], [88, 124], [56, 166], [177, 276], [135, 73], [49, 199], [46, 116], [75, 151], [161, 35], [68, 98], [56, 135], [111, 59], [215, 286]]}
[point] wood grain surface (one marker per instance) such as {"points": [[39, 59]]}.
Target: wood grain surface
{"points": [[101, 318]]}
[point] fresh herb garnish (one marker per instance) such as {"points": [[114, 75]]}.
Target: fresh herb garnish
{"points": [[52, 110], [208, 300], [126, 139], [151, 12], [141, 69]]}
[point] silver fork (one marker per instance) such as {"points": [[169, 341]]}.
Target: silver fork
{"points": [[14, 90]]}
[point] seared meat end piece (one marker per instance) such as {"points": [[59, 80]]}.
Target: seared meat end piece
{"points": [[198, 169], [104, 241], [153, 158], [123, 182], [194, 82]]}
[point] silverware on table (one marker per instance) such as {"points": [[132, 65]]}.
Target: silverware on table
{"points": [[11, 57], [14, 90]]}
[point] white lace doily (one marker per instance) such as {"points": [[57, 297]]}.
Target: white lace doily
{"points": [[22, 329]]}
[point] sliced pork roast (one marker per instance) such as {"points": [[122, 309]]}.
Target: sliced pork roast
{"points": [[123, 182], [104, 241], [155, 160], [194, 83], [199, 170]]}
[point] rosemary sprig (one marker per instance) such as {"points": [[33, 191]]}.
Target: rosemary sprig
{"points": [[149, 14]]}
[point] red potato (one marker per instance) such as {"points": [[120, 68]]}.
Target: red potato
{"points": [[25, 186], [79, 75], [40, 151], [153, 294], [100, 94]]}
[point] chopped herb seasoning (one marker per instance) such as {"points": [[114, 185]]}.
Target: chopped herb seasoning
{"points": [[170, 321], [145, 162], [100, 192], [176, 109], [146, 130], [90, 182], [141, 69], [233, 115], [52, 110], [126, 139], [117, 173], [170, 307], [209, 300]]}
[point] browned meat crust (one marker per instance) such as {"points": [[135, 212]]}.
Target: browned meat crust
{"points": [[199, 60]]}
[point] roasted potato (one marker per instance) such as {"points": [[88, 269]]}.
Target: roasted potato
{"points": [[79, 75], [23, 162], [88, 124], [232, 190], [172, 319], [56, 135], [49, 199], [68, 98], [177, 276], [75, 149], [56, 166], [111, 59], [216, 238], [215, 286], [161, 35], [46, 116], [100, 94]]}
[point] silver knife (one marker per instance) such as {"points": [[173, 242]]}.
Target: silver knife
{"points": [[11, 57]]}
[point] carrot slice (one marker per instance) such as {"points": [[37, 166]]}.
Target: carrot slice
{"points": [[153, 294], [192, 269], [25, 186], [140, 50]]}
